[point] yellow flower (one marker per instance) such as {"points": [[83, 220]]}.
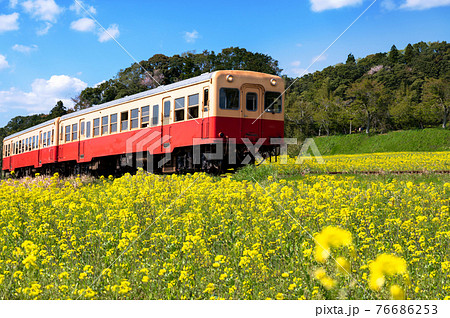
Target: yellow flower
{"points": [[83, 275], [145, 279], [285, 275], [29, 261], [330, 236], [385, 264], [397, 292], [343, 265], [215, 265], [279, 296], [162, 271], [210, 288]]}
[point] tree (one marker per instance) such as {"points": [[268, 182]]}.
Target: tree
{"points": [[394, 55], [367, 97], [350, 59], [58, 111], [409, 53], [436, 93]]}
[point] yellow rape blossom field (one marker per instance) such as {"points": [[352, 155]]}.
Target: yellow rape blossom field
{"points": [[288, 235]]}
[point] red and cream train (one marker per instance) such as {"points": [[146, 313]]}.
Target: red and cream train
{"points": [[206, 112]]}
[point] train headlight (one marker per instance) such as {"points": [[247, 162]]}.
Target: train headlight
{"points": [[230, 78], [273, 81]]}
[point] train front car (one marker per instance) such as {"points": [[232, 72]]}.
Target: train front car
{"points": [[248, 114]]}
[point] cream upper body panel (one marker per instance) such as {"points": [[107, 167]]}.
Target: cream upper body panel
{"points": [[242, 80]]}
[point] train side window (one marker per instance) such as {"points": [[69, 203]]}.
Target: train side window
{"points": [[45, 140], [179, 109], [96, 127], [145, 115], [134, 118], [53, 136], [74, 131], [167, 109], [82, 128], [29, 144], [61, 133], [272, 102], [67, 133], [40, 138], [113, 122], [88, 129], [34, 143], [251, 101], [104, 125], [229, 98], [155, 115], [49, 137], [124, 121], [193, 106]]}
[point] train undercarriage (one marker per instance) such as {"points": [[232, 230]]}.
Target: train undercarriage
{"points": [[213, 159]]}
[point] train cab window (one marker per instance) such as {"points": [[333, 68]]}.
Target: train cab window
{"points": [[179, 109], [61, 133], [134, 118], [104, 125], [113, 123], [124, 121], [49, 138], [145, 116], [155, 115], [167, 109], [45, 140], [272, 102], [251, 101], [53, 136], [96, 127], [193, 106], [74, 131], [229, 98], [205, 99], [82, 128], [88, 129], [67, 139]]}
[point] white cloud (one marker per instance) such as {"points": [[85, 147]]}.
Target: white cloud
{"points": [[388, 5], [8, 22], [43, 95], [44, 29], [44, 10], [83, 25], [424, 4], [99, 83], [296, 72], [111, 32], [296, 63], [24, 49], [3, 62], [79, 8], [319, 58], [321, 5], [13, 3], [190, 37]]}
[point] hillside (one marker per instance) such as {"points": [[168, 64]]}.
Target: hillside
{"points": [[435, 139]]}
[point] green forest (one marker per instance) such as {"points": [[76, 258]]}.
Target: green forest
{"points": [[396, 90]]}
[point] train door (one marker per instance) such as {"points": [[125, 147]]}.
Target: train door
{"points": [[251, 111], [205, 113], [81, 138], [39, 145], [166, 121]]}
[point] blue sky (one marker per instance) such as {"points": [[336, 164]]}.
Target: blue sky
{"points": [[52, 49]]}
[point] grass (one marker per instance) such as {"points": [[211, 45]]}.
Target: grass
{"points": [[433, 139]]}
